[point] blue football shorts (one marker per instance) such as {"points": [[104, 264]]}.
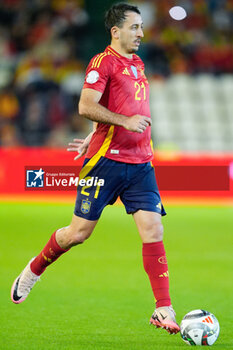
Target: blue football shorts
{"points": [[107, 180]]}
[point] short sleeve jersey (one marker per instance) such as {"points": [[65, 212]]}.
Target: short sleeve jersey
{"points": [[125, 90]]}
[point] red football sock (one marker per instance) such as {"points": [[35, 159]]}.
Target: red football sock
{"points": [[47, 256], [155, 265]]}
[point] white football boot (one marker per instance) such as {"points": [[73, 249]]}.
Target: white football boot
{"points": [[23, 284], [164, 317]]}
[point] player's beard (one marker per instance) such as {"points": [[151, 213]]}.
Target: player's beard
{"points": [[134, 49], [129, 49], [128, 46]]}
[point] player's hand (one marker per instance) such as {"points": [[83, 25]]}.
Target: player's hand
{"points": [[137, 123], [80, 146]]}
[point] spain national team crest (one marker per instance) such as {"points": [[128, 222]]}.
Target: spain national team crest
{"points": [[134, 70], [85, 206]]}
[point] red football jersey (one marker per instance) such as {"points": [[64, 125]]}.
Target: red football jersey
{"points": [[125, 91]]}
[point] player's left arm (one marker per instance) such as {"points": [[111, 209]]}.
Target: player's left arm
{"points": [[81, 145]]}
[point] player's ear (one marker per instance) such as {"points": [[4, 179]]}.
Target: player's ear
{"points": [[115, 32]]}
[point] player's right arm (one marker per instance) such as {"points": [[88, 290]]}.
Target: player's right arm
{"points": [[90, 108]]}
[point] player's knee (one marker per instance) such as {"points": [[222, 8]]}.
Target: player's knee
{"points": [[158, 234], [69, 236], [79, 237], [154, 232]]}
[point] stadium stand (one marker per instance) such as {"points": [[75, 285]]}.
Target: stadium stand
{"points": [[193, 113]]}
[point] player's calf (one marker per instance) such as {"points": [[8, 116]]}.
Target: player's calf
{"points": [[76, 233], [68, 237]]}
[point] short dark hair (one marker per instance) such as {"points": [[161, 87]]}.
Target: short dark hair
{"points": [[116, 16]]}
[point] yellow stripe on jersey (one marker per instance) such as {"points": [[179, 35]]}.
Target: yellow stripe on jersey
{"points": [[101, 153], [95, 65], [99, 62], [151, 144], [152, 148], [114, 53], [96, 60]]}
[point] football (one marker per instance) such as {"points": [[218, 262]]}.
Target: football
{"points": [[199, 327]]}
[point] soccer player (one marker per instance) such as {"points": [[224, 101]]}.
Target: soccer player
{"points": [[115, 96]]}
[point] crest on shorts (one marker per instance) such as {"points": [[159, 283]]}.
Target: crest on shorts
{"points": [[85, 206]]}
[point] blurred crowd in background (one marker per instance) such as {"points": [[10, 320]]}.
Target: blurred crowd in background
{"points": [[46, 45]]}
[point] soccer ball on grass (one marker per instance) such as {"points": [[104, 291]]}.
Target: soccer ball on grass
{"points": [[199, 327]]}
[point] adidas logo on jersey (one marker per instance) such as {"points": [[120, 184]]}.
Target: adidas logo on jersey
{"points": [[125, 71]]}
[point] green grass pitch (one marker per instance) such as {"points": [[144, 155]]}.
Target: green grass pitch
{"points": [[97, 296]]}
